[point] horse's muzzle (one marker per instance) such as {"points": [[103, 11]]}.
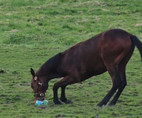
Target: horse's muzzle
{"points": [[39, 96]]}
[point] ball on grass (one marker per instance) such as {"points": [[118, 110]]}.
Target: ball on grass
{"points": [[41, 103]]}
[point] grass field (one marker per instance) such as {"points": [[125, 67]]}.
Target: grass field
{"points": [[32, 31]]}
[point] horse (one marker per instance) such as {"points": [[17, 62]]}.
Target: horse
{"points": [[107, 51]]}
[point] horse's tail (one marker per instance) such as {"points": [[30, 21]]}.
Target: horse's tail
{"points": [[137, 43]]}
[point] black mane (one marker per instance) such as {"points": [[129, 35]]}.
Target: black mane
{"points": [[51, 67]]}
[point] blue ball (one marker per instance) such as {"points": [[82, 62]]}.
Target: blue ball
{"points": [[38, 103], [41, 103]]}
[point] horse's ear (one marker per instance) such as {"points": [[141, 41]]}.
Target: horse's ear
{"points": [[32, 72]]}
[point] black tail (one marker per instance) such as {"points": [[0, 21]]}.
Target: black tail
{"points": [[137, 43]]}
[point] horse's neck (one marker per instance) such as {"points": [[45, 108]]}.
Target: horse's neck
{"points": [[51, 68]]}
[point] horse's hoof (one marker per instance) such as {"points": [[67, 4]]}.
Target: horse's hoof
{"points": [[68, 102], [99, 105], [58, 102], [111, 104]]}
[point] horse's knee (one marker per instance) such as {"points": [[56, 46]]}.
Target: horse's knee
{"points": [[55, 87], [123, 84], [117, 84]]}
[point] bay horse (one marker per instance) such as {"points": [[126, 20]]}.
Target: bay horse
{"points": [[108, 51]]}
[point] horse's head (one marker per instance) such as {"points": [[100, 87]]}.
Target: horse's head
{"points": [[39, 86]]}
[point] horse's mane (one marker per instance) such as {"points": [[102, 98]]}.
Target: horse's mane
{"points": [[50, 66]]}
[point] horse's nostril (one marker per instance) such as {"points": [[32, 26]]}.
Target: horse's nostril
{"points": [[42, 94]]}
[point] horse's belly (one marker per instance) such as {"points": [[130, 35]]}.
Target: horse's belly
{"points": [[93, 72]]}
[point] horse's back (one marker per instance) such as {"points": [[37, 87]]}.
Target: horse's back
{"points": [[91, 57]]}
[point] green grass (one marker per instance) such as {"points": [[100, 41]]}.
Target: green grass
{"points": [[32, 31]]}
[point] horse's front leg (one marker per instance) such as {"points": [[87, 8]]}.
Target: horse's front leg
{"points": [[62, 83], [55, 94], [63, 96]]}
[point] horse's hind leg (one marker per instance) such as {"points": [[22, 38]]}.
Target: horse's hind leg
{"points": [[120, 89], [122, 67], [116, 79]]}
